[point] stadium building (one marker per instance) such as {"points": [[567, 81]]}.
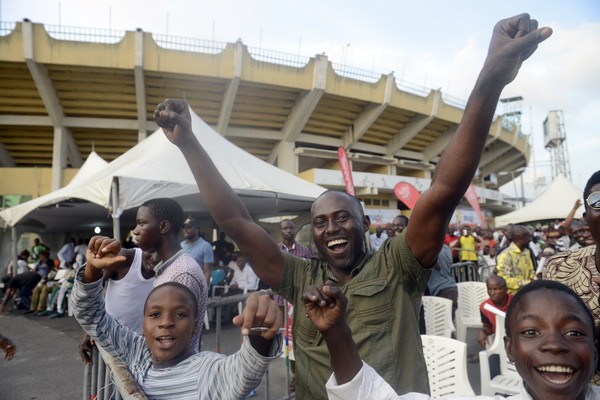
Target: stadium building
{"points": [[68, 91]]}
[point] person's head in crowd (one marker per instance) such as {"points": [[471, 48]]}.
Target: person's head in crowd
{"points": [[288, 232], [493, 251], [241, 261], [338, 229], [24, 255], [400, 223], [389, 230], [521, 236], [379, 230], [170, 320], [486, 250], [581, 233], [591, 196], [496, 289], [157, 219], [44, 255], [465, 230], [191, 229], [552, 236], [550, 338], [507, 231]]}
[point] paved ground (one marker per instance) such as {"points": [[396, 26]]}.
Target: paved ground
{"points": [[47, 365]]}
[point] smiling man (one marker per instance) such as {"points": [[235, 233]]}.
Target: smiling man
{"points": [[383, 288]]}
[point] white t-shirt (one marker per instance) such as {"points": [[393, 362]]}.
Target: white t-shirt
{"points": [[369, 385], [125, 298]]}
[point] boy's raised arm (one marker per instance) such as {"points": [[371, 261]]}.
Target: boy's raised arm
{"points": [[173, 116], [513, 41]]}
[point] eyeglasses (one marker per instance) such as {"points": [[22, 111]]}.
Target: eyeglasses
{"points": [[593, 201]]}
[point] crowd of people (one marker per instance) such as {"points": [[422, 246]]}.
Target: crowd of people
{"points": [[356, 301]]}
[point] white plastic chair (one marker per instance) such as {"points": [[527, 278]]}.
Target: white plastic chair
{"points": [[438, 316], [508, 381], [470, 296], [446, 361]]}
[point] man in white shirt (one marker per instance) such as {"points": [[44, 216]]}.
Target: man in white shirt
{"points": [[378, 238]]}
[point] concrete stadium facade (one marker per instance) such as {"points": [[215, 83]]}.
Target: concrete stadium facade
{"points": [[66, 91]]}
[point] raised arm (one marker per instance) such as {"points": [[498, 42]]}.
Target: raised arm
{"points": [[513, 41], [173, 116]]}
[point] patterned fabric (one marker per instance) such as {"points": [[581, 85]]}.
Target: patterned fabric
{"points": [[297, 250], [576, 269], [185, 270], [516, 267], [204, 375]]}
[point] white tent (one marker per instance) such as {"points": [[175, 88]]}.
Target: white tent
{"points": [[93, 165], [554, 203], [156, 168]]}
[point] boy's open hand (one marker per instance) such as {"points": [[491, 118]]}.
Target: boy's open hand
{"points": [[103, 252], [173, 116], [260, 311], [325, 306]]}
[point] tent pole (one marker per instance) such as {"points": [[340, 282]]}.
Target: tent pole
{"points": [[116, 211], [13, 249]]}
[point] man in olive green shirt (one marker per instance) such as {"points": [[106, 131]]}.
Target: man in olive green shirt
{"points": [[375, 283]]}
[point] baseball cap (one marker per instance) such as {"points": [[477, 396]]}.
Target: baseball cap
{"points": [[192, 221]]}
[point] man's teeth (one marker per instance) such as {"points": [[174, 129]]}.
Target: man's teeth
{"points": [[556, 368], [164, 338], [337, 241]]}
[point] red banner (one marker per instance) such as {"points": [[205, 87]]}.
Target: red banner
{"points": [[346, 171], [407, 193], [471, 197]]}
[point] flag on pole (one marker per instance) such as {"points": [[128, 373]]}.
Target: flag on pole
{"points": [[407, 194], [346, 171]]}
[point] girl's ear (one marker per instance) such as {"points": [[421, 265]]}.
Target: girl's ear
{"points": [[196, 327]]}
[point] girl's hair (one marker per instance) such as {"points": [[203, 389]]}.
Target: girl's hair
{"points": [[548, 285], [166, 209], [191, 297]]}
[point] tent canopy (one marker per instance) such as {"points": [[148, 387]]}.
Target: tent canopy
{"points": [[156, 168], [554, 203]]}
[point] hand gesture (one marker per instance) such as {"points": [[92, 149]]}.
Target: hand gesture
{"points": [[86, 346], [325, 306], [103, 252], [260, 312], [173, 116], [577, 204], [513, 41]]}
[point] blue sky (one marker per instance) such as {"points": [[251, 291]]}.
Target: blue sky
{"points": [[438, 44]]}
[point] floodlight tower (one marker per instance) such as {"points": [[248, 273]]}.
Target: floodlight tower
{"points": [[555, 141]]}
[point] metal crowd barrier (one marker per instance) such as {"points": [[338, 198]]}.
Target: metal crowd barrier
{"points": [[465, 271], [107, 378]]}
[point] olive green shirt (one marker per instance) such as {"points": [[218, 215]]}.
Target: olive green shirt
{"points": [[384, 298]]}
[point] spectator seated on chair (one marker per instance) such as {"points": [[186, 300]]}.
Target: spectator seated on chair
{"points": [[244, 280], [27, 281], [553, 348], [499, 298], [22, 266]]}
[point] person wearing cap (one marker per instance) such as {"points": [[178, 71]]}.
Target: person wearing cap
{"points": [[197, 247], [578, 269]]}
